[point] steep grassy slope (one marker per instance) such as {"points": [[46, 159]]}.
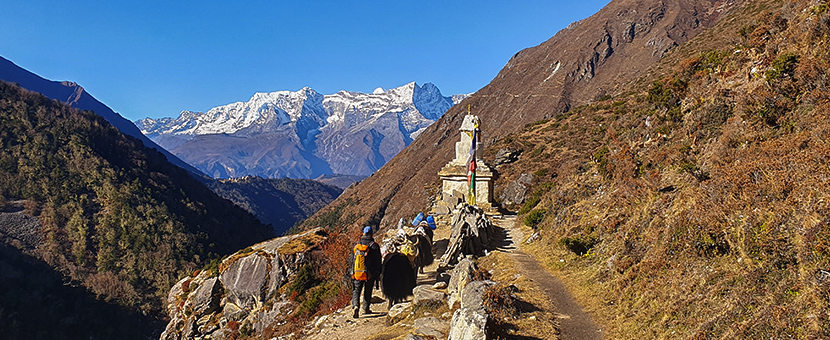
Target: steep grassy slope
{"points": [[116, 217], [689, 202], [585, 61], [695, 205]]}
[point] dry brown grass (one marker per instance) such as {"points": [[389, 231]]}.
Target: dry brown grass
{"points": [[710, 216], [515, 319]]}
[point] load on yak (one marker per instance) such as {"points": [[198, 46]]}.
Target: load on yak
{"points": [[405, 254]]}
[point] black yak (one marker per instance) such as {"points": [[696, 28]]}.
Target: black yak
{"points": [[423, 255], [398, 278]]}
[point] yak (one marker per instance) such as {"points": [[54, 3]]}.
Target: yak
{"points": [[398, 278], [423, 255]]}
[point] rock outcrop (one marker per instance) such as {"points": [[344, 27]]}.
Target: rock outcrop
{"points": [[242, 294], [471, 234], [471, 321]]}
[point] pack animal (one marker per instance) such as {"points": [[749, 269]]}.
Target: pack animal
{"points": [[423, 254], [398, 278]]}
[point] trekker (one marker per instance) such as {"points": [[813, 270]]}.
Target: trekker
{"points": [[367, 268]]}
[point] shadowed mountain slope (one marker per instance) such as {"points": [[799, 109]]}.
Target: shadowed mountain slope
{"points": [[281, 202], [75, 95], [115, 217]]}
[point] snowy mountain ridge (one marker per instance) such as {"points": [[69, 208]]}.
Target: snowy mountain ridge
{"points": [[301, 133]]}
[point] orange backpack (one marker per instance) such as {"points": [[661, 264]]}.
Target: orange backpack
{"points": [[360, 251]]}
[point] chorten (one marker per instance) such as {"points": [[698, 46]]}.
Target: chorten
{"points": [[460, 184]]}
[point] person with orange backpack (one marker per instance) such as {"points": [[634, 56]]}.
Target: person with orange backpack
{"points": [[366, 271]]}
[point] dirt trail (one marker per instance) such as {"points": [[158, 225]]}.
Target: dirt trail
{"points": [[574, 323]]}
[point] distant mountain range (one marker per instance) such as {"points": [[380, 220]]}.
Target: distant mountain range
{"points": [[301, 134], [75, 95]]}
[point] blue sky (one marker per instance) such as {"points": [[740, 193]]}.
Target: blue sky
{"points": [[155, 58]]}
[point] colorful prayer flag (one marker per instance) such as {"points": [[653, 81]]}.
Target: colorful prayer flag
{"points": [[471, 169]]}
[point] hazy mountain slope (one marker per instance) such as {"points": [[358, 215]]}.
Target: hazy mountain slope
{"points": [[280, 203], [75, 95], [583, 62], [117, 217]]}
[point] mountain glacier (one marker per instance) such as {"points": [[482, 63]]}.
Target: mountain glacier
{"points": [[301, 134]]}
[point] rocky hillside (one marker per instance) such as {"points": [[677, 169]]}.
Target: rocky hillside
{"points": [[592, 58], [302, 134], [115, 217]]}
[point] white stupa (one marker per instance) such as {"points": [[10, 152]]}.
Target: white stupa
{"points": [[455, 187]]}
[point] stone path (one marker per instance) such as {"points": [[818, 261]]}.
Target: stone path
{"points": [[574, 323]]}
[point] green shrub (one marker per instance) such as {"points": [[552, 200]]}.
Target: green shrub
{"points": [[535, 217], [783, 65], [304, 280], [529, 204], [536, 123], [578, 244], [316, 295]]}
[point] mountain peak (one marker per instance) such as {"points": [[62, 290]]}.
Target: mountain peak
{"points": [[351, 133]]}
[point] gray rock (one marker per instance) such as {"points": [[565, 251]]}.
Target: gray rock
{"points": [[516, 191], [442, 210], [205, 299], [506, 156], [472, 294], [414, 337], [431, 326], [244, 280], [471, 320], [276, 277], [398, 312], [425, 295], [468, 325], [233, 312], [461, 275]]}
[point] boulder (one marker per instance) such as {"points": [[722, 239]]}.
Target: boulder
{"points": [[506, 156], [516, 191], [442, 210], [398, 312], [425, 295], [250, 284], [461, 275], [431, 326], [205, 299], [244, 280], [471, 321]]}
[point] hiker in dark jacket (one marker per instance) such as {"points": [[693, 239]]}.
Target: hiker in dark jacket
{"points": [[366, 270]]}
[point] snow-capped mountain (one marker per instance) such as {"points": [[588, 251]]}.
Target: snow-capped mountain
{"points": [[301, 134]]}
